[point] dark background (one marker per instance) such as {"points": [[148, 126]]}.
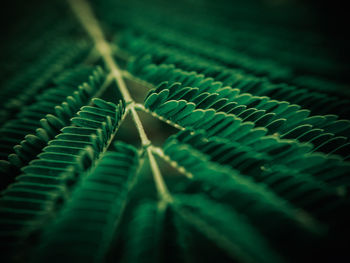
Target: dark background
{"points": [[330, 17]]}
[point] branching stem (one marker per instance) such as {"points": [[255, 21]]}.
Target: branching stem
{"points": [[88, 20], [144, 139], [90, 23], [159, 151], [141, 107]]}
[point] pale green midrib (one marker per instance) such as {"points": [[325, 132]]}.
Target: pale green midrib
{"points": [[85, 15], [181, 169], [89, 22]]}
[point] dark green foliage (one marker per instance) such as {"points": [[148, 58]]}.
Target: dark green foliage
{"points": [[20, 91], [238, 238], [172, 131], [88, 221], [294, 123], [298, 187], [51, 111], [36, 194], [175, 59], [146, 230]]}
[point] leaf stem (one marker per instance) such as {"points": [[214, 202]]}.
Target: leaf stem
{"points": [[159, 151], [144, 139], [141, 107], [158, 178], [89, 22]]}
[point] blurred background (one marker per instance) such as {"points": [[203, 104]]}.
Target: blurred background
{"points": [[301, 43], [325, 21]]}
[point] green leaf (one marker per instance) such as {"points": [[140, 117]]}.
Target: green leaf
{"points": [[88, 221]]}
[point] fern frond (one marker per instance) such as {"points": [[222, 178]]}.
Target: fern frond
{"points": [[198, 164], [232, 128], [61, 162], [254, 201], [298, 187], [226, 126], [95, 208], [51, 112], [21, 92], [264, 112], [165, 54], [238, 239], [145, 232]]}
